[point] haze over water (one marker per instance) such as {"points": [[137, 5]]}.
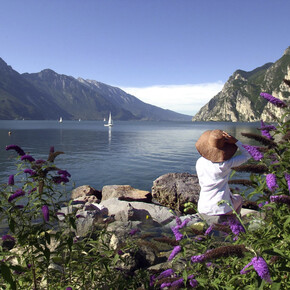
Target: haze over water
{"points": [[134, 153]]}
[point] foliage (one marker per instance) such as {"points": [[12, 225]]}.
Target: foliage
{"points": [[46, 253]]}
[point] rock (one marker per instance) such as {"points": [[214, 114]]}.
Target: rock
{"points": [[85, 199], [138, 211], [85, 190], [173, 190], [125, 192]]}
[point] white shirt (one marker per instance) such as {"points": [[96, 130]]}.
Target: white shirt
{"points": [[213, 180]]}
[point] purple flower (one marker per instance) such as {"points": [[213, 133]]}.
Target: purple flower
{"points": [[11, 180], [261, 268], [209, 229], [165, 274], [64, 173], [16, 148], [236, 227], [273, 100], [120, 252], [287, 177], [152, 280], [60, 179], [177, 283], [177, 234], [133, 232], [271, 181], [51, 149], [174, 252], [280, 199], [28, 158], [39, 161], [68, 288], [164, 285], [29, 171], [192, 282], [18, 192], [197, 259], [254, 152], [265, 130], [45, 212], [7, 238]]}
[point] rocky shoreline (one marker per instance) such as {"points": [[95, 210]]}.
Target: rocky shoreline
{"points": [[148, 216]]}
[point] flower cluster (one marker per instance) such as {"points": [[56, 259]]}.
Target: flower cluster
{"points": [[16, 148], [273, 100], [19, 192], [280, 199], [261, 268], [254, 152], [271, 181]]}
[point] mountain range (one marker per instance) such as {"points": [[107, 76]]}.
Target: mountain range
{"points": [[49, 95], [240, 101]]}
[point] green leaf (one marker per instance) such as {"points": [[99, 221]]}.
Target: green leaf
{"points": [[6, 273]]}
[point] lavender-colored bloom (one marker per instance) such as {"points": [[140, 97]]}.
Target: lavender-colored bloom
{"points": [[174, 252], [7, 238], [177, 283], [133, 232], [261, 268], [28, 158], [29, 171], [280, 199], [197, 259], [60, 179], [18, 192], [209, 229], [273, 100], [271, 181], [45, 212], [39, 161], [152, 280], [11, 180], [68, 288], [177, 234], [254, 152], [165, 274], [51, 150], [192, 282], [265, 130], [287, 177], [236, 227], [178, 220], [16, 148], [164, 285], [64, 173], [120, 252]]}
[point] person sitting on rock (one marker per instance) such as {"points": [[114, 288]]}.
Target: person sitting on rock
{"points": [[217, 149]]}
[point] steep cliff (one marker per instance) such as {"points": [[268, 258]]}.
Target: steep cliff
{"points": [[239, 100]]}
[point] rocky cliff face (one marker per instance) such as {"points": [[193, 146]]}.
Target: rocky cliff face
{"points": [[240, 101]]}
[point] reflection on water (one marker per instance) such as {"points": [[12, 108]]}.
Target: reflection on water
{"points": [[133, 153]]}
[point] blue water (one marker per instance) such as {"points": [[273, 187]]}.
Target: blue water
{"points": [[133, 152]]}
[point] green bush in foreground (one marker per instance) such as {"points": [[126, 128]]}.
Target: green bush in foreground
{"points": [[46, 252]]}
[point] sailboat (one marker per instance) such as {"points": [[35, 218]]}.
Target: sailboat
{"points": [[60, 120], [110, 121]]}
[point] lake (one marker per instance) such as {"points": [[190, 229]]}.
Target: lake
{"points": [[131, 152]]}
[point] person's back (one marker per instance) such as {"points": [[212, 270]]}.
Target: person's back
{"points": [[213, 170]]}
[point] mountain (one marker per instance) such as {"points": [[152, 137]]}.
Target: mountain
{"points": [[240, 101], [49, 95]]}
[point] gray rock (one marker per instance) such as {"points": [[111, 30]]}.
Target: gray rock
{"points": [[138, 211], [173, 190], [85, 190], [125, 192]]}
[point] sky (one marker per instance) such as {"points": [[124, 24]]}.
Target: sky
{"points": [[175, 54]]}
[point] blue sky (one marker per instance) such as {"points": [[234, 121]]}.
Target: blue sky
{"points": [[176, 54]]}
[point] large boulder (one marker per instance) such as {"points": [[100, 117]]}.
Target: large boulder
{"points": [[85, 191], [173, 190], [125, 192], [138, 211]]}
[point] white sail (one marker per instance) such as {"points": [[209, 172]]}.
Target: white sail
{"points": [[60, 119], [110, 121]]}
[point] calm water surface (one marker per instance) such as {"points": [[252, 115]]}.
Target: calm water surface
{"points": [[133, 153]]}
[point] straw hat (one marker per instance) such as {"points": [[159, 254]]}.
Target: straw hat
{"points": [[212, 145]]}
